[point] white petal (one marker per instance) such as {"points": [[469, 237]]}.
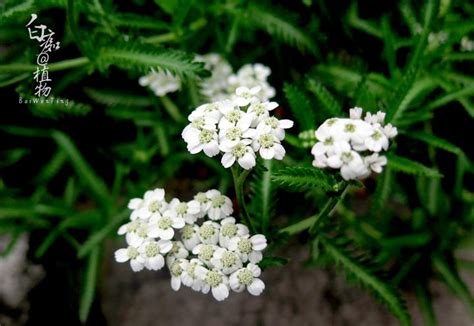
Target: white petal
{"points": [[259, 242], [247, 161], [175, 283], [257, 287], [156, 263], [267, 153], [121, 255], [136, 265], [227, 160], [221, 292]]}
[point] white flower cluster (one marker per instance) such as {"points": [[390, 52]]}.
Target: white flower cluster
{"points": [[223, 83], [238, 128], [467, 45], [216, 255], [353, 145], [160, 82]]}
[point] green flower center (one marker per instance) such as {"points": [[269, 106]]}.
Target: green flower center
{"points": [[206, 231], [346, 157], [217, 201], [198, 123], [206, 252], [213, 278], [245, 277], [154, 206], [349, 127], [182, 208], [328, 141], [234, 116], [266, 140], [205, 136], [201, 198], [245, 246], [210, 108], [376, 135], [187, 232], [234, 133], [229, 230], [190, 270], [176, 269], [142, 231], [164, 223], [132, 252], [239, 150], [174, 249], [133, 226], [272, 122], [152, 249], [259, 109], [332, 121], [228, 259]]}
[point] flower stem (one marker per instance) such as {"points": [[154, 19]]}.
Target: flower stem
{"points": [[239, 180], [313, 222], [171, 108]]}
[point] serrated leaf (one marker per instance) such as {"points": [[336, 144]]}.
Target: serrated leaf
{"points": [[325, 99], [304, 178], [300, 106], [356, 269], [263, 193], [405, 165]]}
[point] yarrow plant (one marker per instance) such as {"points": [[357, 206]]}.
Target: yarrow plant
{"points": [[203, 246], [353, 145], [238, 128]]}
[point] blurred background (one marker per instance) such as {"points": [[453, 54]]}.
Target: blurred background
{"points": [[68, 171]]}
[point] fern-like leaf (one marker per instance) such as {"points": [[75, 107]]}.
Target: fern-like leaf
{"points": [[269, 19], [305, 178], [405, 165], [357, 269], [300, 106], [263, 193], [140, 57], [325, 99], [400, 100]]}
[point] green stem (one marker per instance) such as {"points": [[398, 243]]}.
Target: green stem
{"points": [[61, 65], [239, 192], [172, 36], [313, 222], [171, 108]]}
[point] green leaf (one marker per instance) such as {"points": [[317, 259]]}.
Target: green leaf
{"points": [[425, 303], [263, 193], [365, 277], [435, 141], [326, 100], [300, 179], [300, 106], [114, 98], [400, 98], [84, 171], [143, 57], [405, 165], [90, 280], [273, 22]]}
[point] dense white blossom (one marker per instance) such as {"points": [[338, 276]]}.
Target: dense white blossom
{"points": [[210, 252], [353, 145], [238, 128]]}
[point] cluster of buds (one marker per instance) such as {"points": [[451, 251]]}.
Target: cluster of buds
{"points": [[202, 245]]}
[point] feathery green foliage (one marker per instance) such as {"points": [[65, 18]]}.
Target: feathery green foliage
{"points": [[305, 178]]}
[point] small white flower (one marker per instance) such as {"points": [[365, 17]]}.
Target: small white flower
{"points": [[154, 202], [215, 281], [274, 126], [242, 153], [160, 82], [189, 211], [135, 204], [247, 277], [320, 161], [350, 162], [231, 136], [137, 262], [178, 251], [261, 111], [205, 252], [249, 248], [209, 232], [190, 236], [226, 261], [245, 96], [357, 130], [152, 251], [234, 117], [218, 206], [188, 276], [203, 201], [162, 226], [268, 145], [390, 131], [355, 113], [176, 271], [377, 141], [375, 162], [136, 232], [230, 229], [202, 140]]}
